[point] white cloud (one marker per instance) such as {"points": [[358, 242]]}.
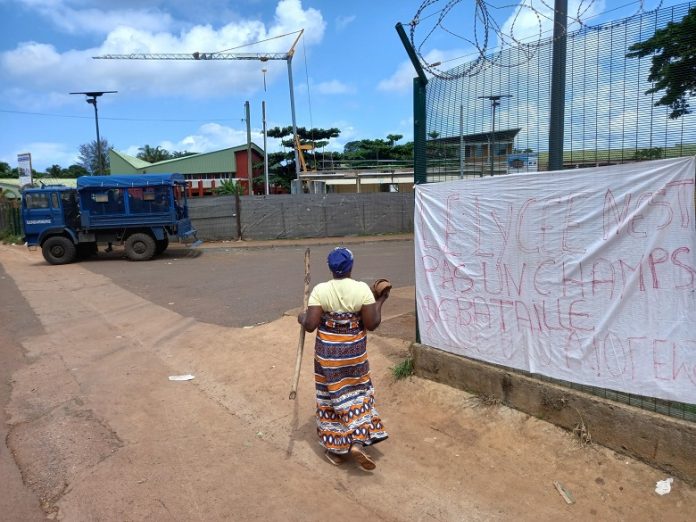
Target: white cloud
{"points": [[344, 21], [290, 17], [402, 79], [35, 66], [45, 154], [100, 21], [334, 87], [534, 20], [208, 138]]}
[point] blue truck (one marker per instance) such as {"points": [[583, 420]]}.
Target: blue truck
{"points": [[139, 211]]}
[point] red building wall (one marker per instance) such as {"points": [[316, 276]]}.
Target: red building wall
{"points": [[241, 159]]}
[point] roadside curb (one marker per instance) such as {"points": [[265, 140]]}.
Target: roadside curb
{"points": [[318, 241]]}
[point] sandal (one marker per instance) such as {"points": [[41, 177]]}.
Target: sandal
{"points": [[334, 458], [365, 462]]}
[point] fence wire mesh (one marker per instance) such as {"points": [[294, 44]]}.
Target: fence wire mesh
{"points": [[608, 119], [9, 219]]}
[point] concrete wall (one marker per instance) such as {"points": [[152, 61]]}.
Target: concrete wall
{"points": [[303, 215], [664, 442]]}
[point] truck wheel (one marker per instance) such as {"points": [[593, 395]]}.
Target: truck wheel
{"points": [[140, 247], [58, 250], [162, 245]]}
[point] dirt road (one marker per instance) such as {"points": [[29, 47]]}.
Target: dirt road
{"points": [[99, 432]]}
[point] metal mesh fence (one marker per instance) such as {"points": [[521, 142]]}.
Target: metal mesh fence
{"points": [[9, 219], [303, 215], [608, 118]]}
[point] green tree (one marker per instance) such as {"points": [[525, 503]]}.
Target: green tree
{"points": [[281, 169], [376, 150], [317, 137], [5, 170], [673, 69], [393, 138], [648, 154], [89, 157], [305, 135], [54, 171], [153, 154], [75, 171], [181, 154]]}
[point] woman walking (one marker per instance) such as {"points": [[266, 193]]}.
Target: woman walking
{"points": [[343, 309]]}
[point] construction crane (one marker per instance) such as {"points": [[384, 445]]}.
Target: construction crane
{"points": [[224, 55], [299, 147]]}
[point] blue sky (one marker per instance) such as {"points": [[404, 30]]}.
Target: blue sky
{"points": [[350, 69]]}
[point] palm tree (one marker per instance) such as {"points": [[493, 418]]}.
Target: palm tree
{"points": [[54, 171], [153, 154]]}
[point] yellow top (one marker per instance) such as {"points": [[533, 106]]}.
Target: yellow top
{"points": [[341, 295]]}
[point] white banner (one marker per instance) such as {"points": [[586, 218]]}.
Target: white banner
{"points": [[24, 168], [586, 275]]}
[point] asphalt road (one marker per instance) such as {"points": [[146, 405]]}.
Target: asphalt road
{"points": [[213, 284]]}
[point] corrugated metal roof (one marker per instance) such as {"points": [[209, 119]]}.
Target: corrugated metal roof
{"points": [[129, 160], [223, 160]]}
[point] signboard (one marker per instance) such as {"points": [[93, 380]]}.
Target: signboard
{"points": [[522, 162], [586, 275], [24, 168]]}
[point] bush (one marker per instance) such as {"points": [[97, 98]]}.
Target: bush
{"points": [[8, 238]]}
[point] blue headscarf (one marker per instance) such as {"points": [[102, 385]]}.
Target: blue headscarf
{"points": [[340, 261]]}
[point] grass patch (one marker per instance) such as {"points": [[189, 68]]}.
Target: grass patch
{"points": [[8, 238], [403, 369]]}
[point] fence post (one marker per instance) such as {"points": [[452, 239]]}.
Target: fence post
{"points": [[558, 80]]}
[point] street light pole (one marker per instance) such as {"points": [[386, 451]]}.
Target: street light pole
{"points": [[495, 102], [92, 100]]}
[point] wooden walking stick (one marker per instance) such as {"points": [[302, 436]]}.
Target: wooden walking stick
{"points": [[300, 344]]}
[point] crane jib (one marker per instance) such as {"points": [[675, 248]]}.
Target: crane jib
{"points": [[195, 56]]}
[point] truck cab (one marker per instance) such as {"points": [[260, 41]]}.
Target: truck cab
{"points": [[44, 209], [138, 211]]}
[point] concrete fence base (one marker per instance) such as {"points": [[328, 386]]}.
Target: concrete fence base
{"points": [[661, 441]]}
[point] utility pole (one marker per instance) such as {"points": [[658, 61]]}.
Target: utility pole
{"points": [[92, 100], [248, 129], [495, 103], [265, 147]]}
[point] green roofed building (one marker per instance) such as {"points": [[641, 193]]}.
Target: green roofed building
{"points": [[204, 171]]}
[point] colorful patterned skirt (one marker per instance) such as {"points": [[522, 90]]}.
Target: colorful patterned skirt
{"points": [[345, 397]]}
